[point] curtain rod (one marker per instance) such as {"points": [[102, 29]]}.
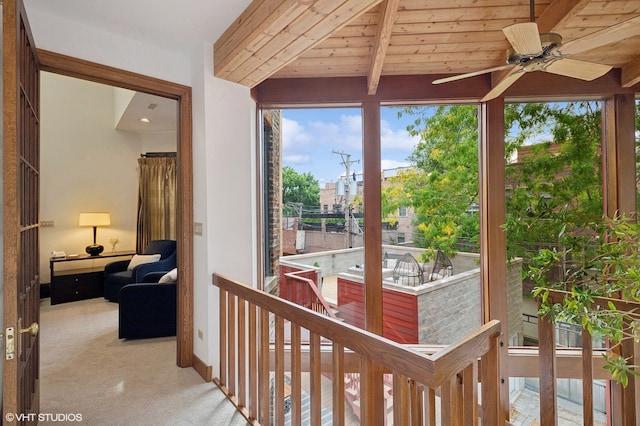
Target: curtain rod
{"points": [[159, 154]]}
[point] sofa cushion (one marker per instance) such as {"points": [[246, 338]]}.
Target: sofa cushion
{"points": [[139, 259], [169, 277]]}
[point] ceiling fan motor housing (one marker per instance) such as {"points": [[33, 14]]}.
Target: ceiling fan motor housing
{"points": [[531, 62]]}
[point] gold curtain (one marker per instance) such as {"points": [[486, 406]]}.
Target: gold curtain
{"points": [[156, 200]]}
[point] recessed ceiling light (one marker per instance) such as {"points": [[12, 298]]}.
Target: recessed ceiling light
{"points": [[145, 120]]}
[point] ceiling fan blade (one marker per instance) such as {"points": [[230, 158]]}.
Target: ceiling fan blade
{"points": [[471, 74], [524, 37], [503, 84], [613, 34], [578, 69]]}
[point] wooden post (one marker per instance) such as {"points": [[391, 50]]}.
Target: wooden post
{"points": [[372, 395], [493, 244], [620, 194]]}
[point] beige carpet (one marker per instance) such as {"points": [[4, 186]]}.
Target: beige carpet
{"points": [[86, 370]]}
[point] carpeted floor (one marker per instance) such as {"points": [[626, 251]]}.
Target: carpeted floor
{"points": [[87, 371]]}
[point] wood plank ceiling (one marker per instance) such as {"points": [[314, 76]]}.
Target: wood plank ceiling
{"points": [[373, 38]]}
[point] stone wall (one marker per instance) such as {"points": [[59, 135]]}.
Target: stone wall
{"points": [[450, 308]]}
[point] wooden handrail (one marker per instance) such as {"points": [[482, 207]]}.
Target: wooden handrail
{"points": [[313, 288], [402, 360], [452, 371]]}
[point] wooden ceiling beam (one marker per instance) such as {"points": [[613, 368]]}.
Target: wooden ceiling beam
{"points": [[271, 33], [613, 34], [631, 73], [559, 12], [388, 14]]}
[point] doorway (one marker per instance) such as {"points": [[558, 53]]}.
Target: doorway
{"points": [[73, 67]]}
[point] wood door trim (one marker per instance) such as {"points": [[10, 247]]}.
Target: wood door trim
{"points": [[85, 70]]}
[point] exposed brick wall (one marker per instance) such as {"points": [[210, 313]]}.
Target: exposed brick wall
{"points": [[289, 241], [273, 169]]}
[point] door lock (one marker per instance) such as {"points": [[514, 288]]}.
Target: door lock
{"points": [[9, 335]]}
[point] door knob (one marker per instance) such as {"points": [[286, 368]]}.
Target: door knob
{"points": [[33, 329]]}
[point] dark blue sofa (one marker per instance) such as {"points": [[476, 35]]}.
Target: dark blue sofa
{"points": [[117, 276], [147, 309]]}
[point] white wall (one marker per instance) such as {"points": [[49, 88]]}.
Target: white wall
{"points": [[224, 155], [82, 41], [86, 166], [224, 194], [158, 142]]}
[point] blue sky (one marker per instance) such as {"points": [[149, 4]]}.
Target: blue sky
{"points": [[310, 135]]}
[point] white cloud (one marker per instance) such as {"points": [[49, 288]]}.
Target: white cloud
{"points": [[296, 159], [294, 134], [345, 135], [397, 140], [393, 164]]}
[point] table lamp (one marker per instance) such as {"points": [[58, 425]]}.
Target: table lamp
{"points": [[95, 220]]}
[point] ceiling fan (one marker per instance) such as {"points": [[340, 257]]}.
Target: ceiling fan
{"points": [[534, 51]]}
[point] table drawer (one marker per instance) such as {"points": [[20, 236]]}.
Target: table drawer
{"points": [[72, 287]]}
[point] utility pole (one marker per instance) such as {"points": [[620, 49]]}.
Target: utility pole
{"points": [[346, 162]]}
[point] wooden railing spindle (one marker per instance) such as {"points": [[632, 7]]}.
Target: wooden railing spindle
{"points": [[490, 384], [242, 353], [223, 337], [470, 393], [263, 370], [231, 342], [296, 375], [316, 380], [253, 401], [338, 385], [417, 403], [547, 372], [278, 409], [401, 400], [587, 378]]}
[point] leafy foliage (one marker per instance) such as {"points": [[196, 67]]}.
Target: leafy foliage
{"points": [[554, 208], [299, 188], [603, 269], [558, 182], [443, 185]]}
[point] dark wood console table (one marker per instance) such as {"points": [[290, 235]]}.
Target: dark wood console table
{"points": [[83, 281]]}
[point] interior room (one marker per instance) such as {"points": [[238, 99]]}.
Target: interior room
{"points": [[91, 138]]}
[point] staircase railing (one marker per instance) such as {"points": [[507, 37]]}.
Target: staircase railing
{"points": [[441, 387], [303, 291]]}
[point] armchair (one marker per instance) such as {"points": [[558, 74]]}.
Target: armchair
{"points": [[147, 309], [117, 276]]}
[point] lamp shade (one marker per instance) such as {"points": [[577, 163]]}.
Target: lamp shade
{"points": [[94, 219]]}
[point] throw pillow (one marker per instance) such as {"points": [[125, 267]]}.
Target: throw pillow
{"points": [[139, 259], [169, 277]]}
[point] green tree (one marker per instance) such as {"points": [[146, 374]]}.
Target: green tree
{"points": [[556, 183], [443, 185], [299, 188]]}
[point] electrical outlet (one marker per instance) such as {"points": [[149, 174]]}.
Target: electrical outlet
{"points": [[200, 335], [46, 224]]}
